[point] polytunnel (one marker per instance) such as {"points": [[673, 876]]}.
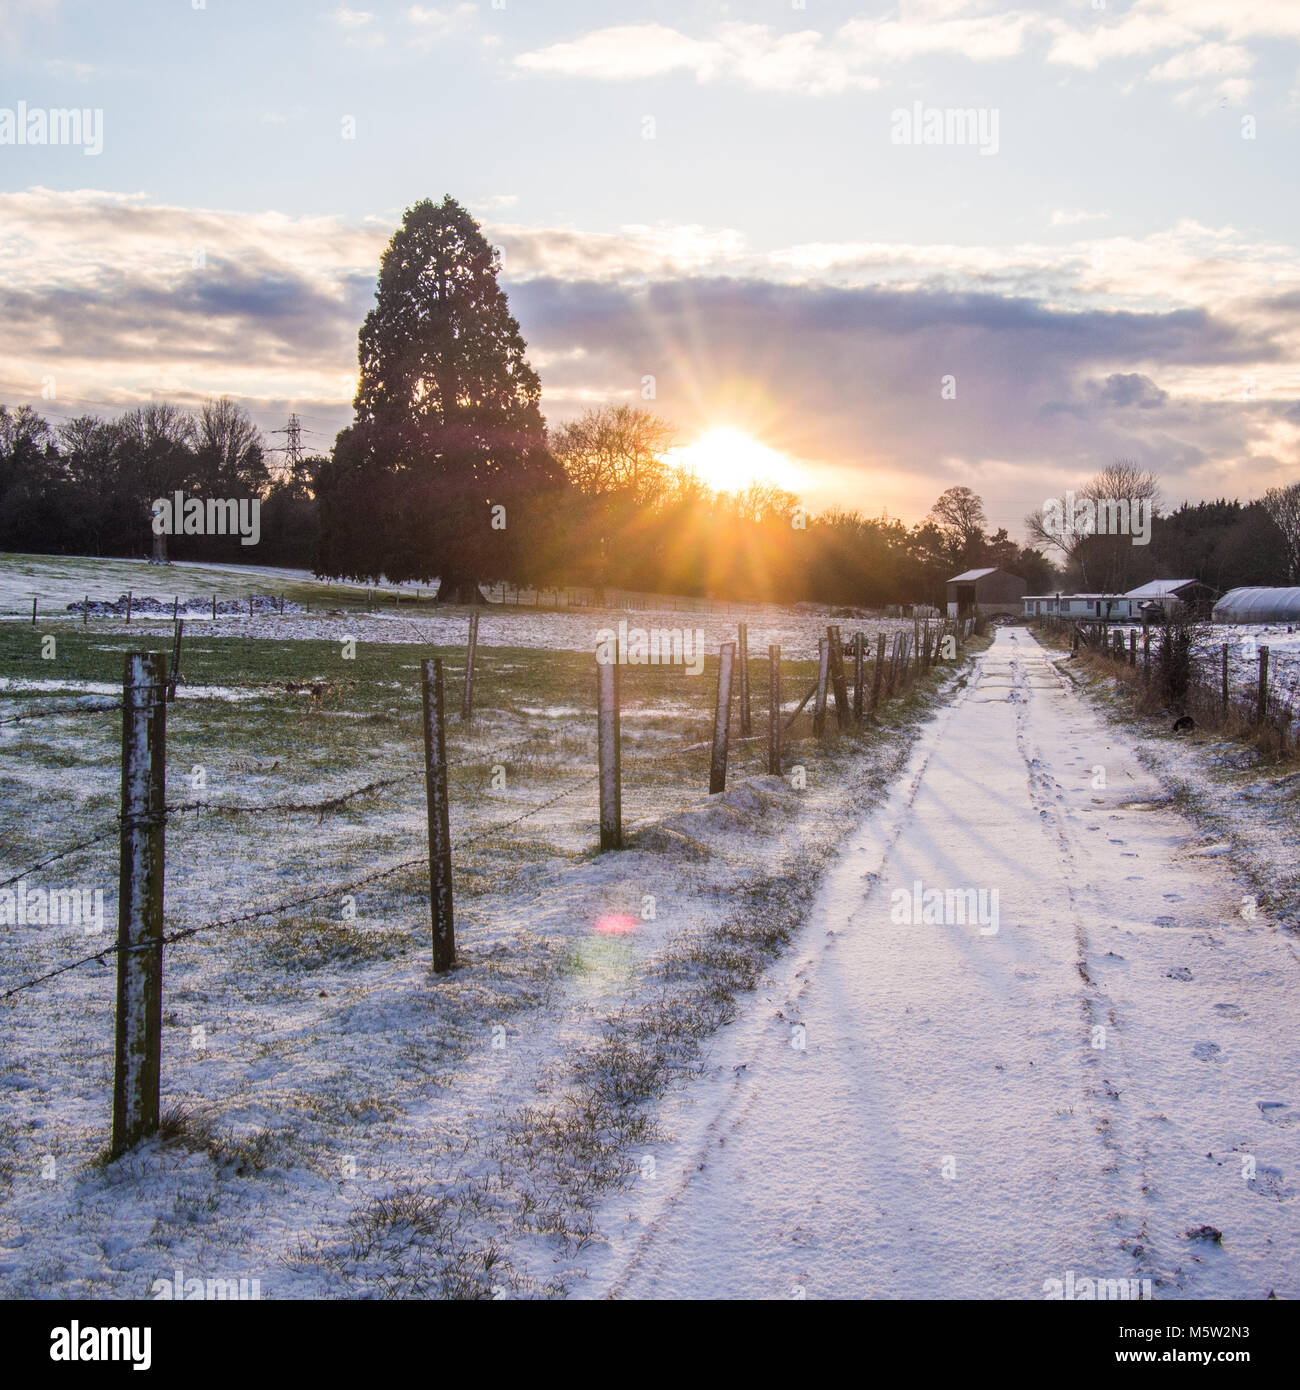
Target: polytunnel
{"points": [[1257, 605]]}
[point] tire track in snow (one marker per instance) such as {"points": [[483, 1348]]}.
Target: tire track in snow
{"points": [[820, 1170], [1119, 1137]]}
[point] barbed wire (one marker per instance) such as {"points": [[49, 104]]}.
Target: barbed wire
{"points": [[62, 854], [56, 713], [331, 803], [286, 905]]}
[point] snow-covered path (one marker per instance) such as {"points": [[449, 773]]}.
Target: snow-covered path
{"points": [[933, 1109]]}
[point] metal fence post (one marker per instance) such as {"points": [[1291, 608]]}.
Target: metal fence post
{"points": [[859, 642], [1261, 704], [141, 865], [435, 786]]}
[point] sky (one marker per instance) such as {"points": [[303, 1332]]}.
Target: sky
{"points": [[906, 246]]}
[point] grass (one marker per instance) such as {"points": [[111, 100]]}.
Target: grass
{"points": [[318, 727]]}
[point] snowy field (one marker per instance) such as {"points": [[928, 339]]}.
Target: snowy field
{"points": [[736, 1059], [342, 1122], [335, 612]]}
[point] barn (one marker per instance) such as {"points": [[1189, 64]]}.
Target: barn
{"points": [[1169, 596], [985, 591]]}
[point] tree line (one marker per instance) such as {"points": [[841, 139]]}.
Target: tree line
{"points": [[449, 472]]}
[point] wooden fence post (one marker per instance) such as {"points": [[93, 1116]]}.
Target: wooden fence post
{"points": [[1133, 647], [721, 719], [435, 789], [1146, 653], [1261, 702], [774, 711], [177, 634], [742, 654], [1225, 678], [128, 608], [880, 667], [138, 1043], [214, 608], [859, 642], [467, 700], [838, 684], [823, 674], [85, 612], [609, 748]]}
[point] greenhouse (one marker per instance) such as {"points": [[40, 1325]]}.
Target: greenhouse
{"points": [[1258, 606]]}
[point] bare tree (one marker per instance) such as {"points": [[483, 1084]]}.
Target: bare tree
{"points": [[959, 515], [616, 449], [1117, 491], [1283, 505], [228, 449], [1121, 489]]}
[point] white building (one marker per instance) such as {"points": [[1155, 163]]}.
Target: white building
{"points": [[1100, 607]]}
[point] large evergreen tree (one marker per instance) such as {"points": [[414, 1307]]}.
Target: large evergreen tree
{"points": [[448, 427]]}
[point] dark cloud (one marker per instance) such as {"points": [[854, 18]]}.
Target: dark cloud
{"points": [[853, 376]]}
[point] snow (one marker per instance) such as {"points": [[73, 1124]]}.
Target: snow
{"points": [[820, 1171], [338, 1074]]}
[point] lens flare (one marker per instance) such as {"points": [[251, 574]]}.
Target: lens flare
{"points": [[619, 924]]}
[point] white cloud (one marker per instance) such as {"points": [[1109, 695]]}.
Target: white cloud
{"points": [[1065, 218], [431, 24], [749, 53], [1206, 60], [805, 61]]}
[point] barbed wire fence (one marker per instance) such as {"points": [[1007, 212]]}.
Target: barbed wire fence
{"points": [[145, 812], [1184, 667]]}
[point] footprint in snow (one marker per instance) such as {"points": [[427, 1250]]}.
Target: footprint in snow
{"points": [[1165, 922], [1179, 972], [1230, 1011], [1207, 1052]]}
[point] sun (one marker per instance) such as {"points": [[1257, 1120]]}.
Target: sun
{"points": [[728, 460]]}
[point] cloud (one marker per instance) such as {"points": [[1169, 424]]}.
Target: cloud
{"points": [[1065, 356], [753, 54], [1063, 218], [431, 24], [1196, 41], [850, 378]]}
